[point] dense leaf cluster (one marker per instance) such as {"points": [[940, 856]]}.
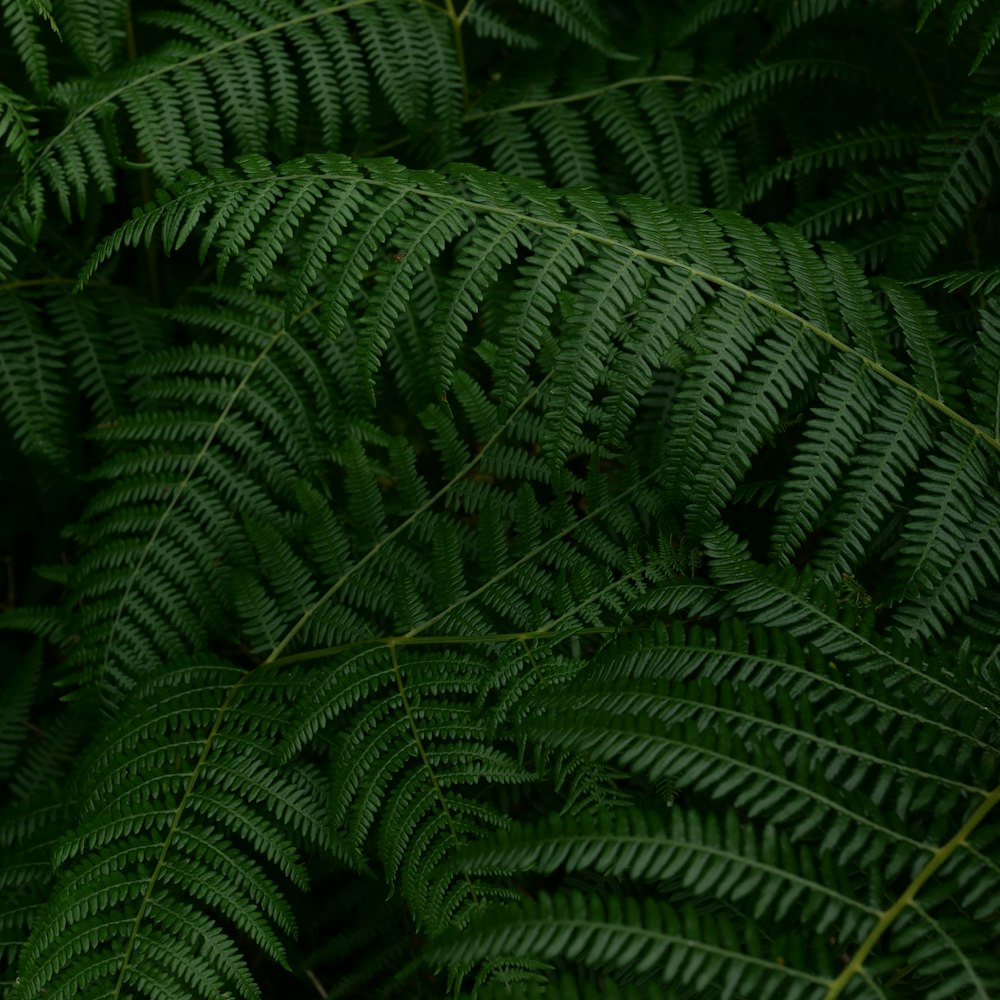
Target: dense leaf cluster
{"points": [[500, 499]]}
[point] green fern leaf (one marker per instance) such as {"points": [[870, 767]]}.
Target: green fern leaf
{"points": [[635, 936], [177, 794], [31, 370], [21, 20]]}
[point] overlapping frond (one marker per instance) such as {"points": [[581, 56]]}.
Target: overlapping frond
{"points": [[183, 817], [237, 78], [346, 548], [33, 387], [639, 120], [208, 451], [55, 352], [17, 126], [444, 209], [38, 746], [957, 172], [823, 773], [229, 80], [405, 769], [23, 20], [500, 583]]}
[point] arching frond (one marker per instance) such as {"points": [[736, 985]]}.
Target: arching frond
{"points": [[534, 568], [727, 739], [180, 806]]}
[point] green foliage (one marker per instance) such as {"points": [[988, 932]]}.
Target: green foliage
{"points": [[561, 560]]}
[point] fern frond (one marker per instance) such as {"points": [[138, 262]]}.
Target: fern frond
{"points": [[17, 126], [736, 94], [610, 292], [934, 371], [38, 747], [21, 19], [398, 769], [868, 144], [705, 855], [645, 123], [891, 449], [28, 832], [154, 811], [18, 696], [947, 543], [502, 589], [986, 396], [730, 741], [863, 198], [69, 166], [93, 32], [985, 281], [489, 24], [961, 12], [580, 19], [168, 533], [180, 99], [958, 169], [632, 936], [32, 373], [776, 352], [542, 209], [410, 52]]}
